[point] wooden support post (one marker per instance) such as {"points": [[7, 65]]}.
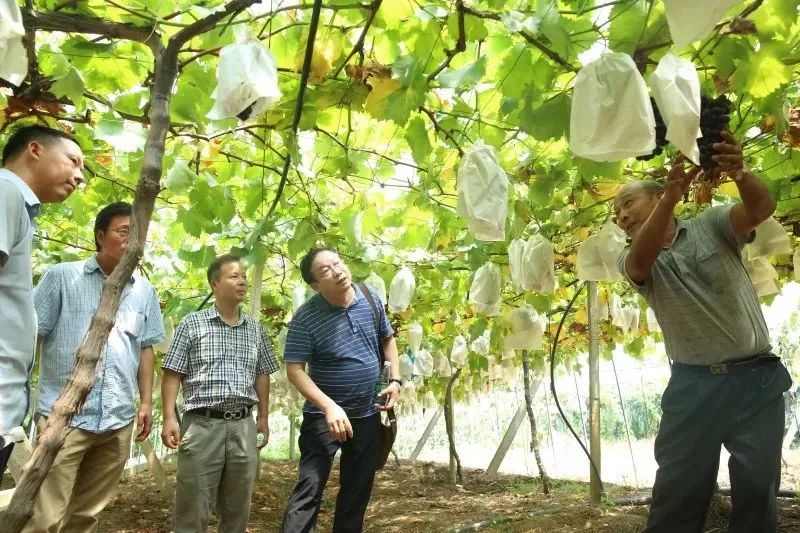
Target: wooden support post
{"points": [[594, 394], [292, 436], [508, 438], [257, 278], [156, 470], [427, 433]]}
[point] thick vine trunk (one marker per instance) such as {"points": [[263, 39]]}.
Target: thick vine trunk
{"points": [[455, 461], [90, 353], [534, 432]]}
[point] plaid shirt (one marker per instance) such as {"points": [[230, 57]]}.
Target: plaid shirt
{"points": [[219, 362]]}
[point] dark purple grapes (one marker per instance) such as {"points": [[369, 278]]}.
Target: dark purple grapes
{"points": [[661, 135], [714, 119]]}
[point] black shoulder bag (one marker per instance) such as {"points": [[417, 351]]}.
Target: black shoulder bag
{"points": [[388, 432]]}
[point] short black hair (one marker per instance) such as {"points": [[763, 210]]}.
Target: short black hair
{"points": [[215, 268], [308, 260], [23, 136], [106, 214]]}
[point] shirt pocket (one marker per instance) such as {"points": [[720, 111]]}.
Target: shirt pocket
{"points": [[131, 322], [711, 269]]}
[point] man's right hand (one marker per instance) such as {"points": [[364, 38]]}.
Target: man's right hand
{"points": [[679, 181], [338, 423], [171, 433]]}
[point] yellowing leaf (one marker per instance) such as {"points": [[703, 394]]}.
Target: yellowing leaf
{"points": [[321, 62], [762, 75], [376, 99], [604, 190], [729, 189]]}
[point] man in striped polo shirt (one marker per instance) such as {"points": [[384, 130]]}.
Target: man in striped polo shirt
{"points": [[726, 387], [222, 359], [336, 334]]}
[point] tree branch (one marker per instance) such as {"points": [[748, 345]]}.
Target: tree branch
{"points": [[68, 23], [359, 46], [438, 127], [551, 54], [312, 35], [461, 43]]}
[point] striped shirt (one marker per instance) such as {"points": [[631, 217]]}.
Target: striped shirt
{"points": [[66, 299], [340, 346], [219, 362], [18, 208], [702, 295]]}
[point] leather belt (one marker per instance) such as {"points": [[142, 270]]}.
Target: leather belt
{"points": [[736, 367], [226, 415]]}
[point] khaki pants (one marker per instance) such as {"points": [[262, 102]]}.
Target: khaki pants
{"points": [[81, 482], [216, 462]]}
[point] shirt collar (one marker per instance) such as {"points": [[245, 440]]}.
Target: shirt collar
{"points": [[323, 304], [680, 225], [212, 313], [92, 265], [32, 203]]}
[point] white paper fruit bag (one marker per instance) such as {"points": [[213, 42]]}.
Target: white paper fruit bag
{"points": [[483, 193], [611, 116], [247, 81]]}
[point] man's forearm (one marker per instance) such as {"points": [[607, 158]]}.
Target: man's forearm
{"points": [[756, 198], [649, 240], [170, 382], [144, 376], [390, 354], [262, 391], [304, 384]]}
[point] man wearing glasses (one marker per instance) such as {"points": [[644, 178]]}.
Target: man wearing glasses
{"points": [[86, 471], [336, 333]]}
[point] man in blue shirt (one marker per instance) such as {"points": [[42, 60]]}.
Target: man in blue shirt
{"points": [[84, 475], [40, 165], [336, 334]]}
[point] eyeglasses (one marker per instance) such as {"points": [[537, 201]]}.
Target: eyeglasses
{"points": [[328, 270]]}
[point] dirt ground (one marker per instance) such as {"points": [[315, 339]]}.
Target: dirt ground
{"points": [[417, 497]]}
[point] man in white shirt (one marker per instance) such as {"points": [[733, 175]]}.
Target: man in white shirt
{"points": [[40, 165]]}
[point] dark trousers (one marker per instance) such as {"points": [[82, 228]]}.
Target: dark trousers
{"points": [[5, 455], [356, 474], [701, 412]]}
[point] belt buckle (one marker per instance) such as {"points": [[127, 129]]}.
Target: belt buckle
{"points": [[233, 415], [719, 369]]}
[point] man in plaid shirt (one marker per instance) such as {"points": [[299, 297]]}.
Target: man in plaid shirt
{"points": [[223, 359]]}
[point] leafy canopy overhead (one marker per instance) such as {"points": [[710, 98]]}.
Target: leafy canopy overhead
{"points": [[399, 89]]}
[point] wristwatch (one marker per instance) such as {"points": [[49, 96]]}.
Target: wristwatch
{"points": [[398, 381]]}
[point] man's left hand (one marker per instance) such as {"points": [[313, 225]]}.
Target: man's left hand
{"points": [[391, 393], [262, 426], [144, 421], [729, 156]]}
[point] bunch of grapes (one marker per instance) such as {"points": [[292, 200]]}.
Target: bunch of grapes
{"points": [[714, 119], [661, 135]]}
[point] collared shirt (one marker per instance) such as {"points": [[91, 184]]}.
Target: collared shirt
{"points": [[66, 300], [340, 346], [18, 208], [701, 293], [219, 362]]}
